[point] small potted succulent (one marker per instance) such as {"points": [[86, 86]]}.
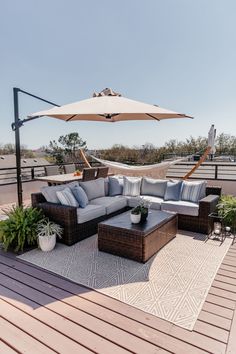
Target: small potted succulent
{"points": [[47, 232], [135, 215], [140, 212]]}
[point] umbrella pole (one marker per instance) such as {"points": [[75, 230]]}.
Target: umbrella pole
{"points": [[85, 159], [202, 159], [17, 147]]}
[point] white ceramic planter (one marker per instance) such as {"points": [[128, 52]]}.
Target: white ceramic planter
{"points": [[47, 243], [135, 218]]}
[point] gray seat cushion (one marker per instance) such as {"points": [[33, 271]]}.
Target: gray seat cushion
{"points": [[90, 212], [154, 187], [132, 202], [155, 201], [111, 204], [181, 207]]}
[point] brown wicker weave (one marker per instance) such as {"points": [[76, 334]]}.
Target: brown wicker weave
{"points": [[51, 170], [102, 172], [215, 190], [140, 241], [74, 232], [69, 168], [89, 173], [207, 205], [66, 216]]}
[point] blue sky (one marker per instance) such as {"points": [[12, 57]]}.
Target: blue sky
{"points": [[180, 55]]}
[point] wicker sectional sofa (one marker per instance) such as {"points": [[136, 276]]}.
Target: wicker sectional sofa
{"points": [[80, 223]]}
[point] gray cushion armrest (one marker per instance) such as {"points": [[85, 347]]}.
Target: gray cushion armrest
{"points": [[62, 214], [208, 205]]}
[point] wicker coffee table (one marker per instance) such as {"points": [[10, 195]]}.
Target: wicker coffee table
{"points": [[137, 241]]}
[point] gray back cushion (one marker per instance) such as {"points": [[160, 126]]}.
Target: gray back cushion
{"points": [[116, 184], [155, 187], [106, 181], [94, 189], [173, 190], [132, 186], [50, 195]]}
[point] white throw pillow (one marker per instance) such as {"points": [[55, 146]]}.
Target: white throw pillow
{"points": [[132, 186], [66, 197]]}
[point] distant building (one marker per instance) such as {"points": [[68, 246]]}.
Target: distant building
{"points": [[8, 170]]}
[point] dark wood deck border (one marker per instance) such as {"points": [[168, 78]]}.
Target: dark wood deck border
{"points": [[48, 314]]}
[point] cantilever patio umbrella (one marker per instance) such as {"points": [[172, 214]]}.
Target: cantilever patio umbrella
{"points": [[108, 106]]}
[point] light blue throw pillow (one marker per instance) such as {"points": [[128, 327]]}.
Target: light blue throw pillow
{"points": [[173, 190], [80, 196], [115, 185]]}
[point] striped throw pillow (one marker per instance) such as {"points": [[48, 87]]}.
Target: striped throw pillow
{"points": [[192, 191], [66, 198], [132, 186]]}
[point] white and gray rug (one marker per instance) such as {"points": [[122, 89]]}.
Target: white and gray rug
{"points": [[172, 285]]}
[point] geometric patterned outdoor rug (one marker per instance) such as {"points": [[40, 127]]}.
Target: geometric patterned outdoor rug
{"points": [[172, 285]]}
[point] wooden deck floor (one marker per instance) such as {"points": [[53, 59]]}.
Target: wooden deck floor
{"points": [[41, 312]]}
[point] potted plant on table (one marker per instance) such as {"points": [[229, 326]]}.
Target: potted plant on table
{"points": [[18, 230], [47, 231], [135, 215], [140, 212]]}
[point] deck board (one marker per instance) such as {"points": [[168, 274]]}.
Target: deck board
{"points": [[4, 348], [52, 314]]}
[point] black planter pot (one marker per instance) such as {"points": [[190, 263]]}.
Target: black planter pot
{"points": [[144, 215]]}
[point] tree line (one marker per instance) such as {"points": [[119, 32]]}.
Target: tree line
{"points": [[67, 149], [148, 153]]}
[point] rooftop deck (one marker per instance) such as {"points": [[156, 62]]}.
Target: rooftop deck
{"points": [[45, 313]]}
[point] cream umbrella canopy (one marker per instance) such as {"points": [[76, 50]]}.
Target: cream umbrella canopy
{"points": [[108, 106]]}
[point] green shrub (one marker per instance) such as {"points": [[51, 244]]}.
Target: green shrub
{"points": [[19, 229], [227, 210]]}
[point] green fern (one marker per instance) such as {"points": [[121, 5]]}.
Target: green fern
{"points": [[227, 210], [19, 229]]}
